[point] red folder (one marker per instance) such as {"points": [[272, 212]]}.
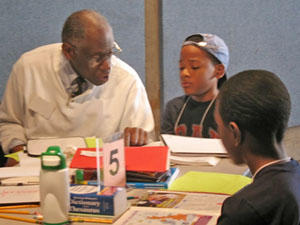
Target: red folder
{"points": [[146, 159]]}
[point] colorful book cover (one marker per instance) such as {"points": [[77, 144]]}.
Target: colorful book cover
{"points": [[157, 185]]}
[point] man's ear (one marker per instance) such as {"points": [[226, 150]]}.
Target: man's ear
{"points": [[68, 50], [219, 71], [237, 134]]}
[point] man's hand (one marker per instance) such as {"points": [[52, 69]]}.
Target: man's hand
{"points": [[134, 136], [11, 161]]}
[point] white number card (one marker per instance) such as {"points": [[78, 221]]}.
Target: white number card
{"points": [[114, 164]]}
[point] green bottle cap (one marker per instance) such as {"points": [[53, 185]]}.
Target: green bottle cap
{"points": [[53, 159]]}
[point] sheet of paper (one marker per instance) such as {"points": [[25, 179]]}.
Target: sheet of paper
{"points": [[90, 153], [29, 161], [210, 182], [90, 142], [19, 194], [195, 160], [180, 144], [15, 181], [155, 143]]}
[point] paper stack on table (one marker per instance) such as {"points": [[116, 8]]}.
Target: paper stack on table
{"points": [[194, 151]]}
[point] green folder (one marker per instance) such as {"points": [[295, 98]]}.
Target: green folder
{"points": [[91, 142], [219, 183]]}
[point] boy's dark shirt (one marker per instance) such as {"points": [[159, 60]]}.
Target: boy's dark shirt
{"points": [[189, 123], [272, 199]]}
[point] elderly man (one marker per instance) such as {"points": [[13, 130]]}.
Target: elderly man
{"points": [[75, 88]]}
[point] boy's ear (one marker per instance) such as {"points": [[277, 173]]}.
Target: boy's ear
{"points": [[219, 71], [68, 50], [237, 134]]}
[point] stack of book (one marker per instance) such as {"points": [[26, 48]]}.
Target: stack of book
{"points": [[194, 151], [151, 180], [146, 167]]}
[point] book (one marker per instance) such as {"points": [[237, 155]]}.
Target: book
{"points": [[147, 158], [35, 147], [211, 203], [161, 216], [172, 207], [85, 199], [143, 159], [192, 146], [146, 177], [18, 171], [79, 217], [173, 173]]}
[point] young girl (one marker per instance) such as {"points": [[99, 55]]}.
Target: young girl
{"points": [[203, 62]]}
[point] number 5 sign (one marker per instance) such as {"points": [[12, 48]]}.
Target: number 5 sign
{"points": [[114, 164]]}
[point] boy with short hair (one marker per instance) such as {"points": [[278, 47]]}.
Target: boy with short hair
{"points": [[252, 112], [203, 62]]}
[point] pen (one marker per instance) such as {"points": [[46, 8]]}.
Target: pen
{"points": [[21, 219], [132, 197], [19, 206]]}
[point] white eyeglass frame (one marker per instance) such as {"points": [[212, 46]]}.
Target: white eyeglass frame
{"points": [[93, 62]]}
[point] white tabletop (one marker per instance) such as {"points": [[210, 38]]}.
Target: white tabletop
{"points": [[224, 166]]}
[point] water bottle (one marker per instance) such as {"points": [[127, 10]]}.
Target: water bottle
{"points": [[54, 187]]}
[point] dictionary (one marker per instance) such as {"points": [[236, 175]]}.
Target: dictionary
{"points": [[85, 199]]}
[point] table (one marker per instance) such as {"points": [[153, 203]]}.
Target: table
{"points": [[224, 166]]}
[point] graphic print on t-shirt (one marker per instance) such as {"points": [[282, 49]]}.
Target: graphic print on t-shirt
{"points": [[189, 123]]}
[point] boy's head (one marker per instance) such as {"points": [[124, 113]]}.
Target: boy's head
{"points": [[203, 62], [254, 102], [214, 46]]}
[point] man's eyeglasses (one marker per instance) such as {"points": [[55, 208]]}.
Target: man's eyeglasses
{"points": [[101, 57]]}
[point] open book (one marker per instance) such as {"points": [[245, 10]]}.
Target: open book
{"points": [[161, 216], [171, 207]]}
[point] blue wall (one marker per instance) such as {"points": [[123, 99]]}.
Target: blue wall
{"points": [[27, 24], [260, 34]]}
